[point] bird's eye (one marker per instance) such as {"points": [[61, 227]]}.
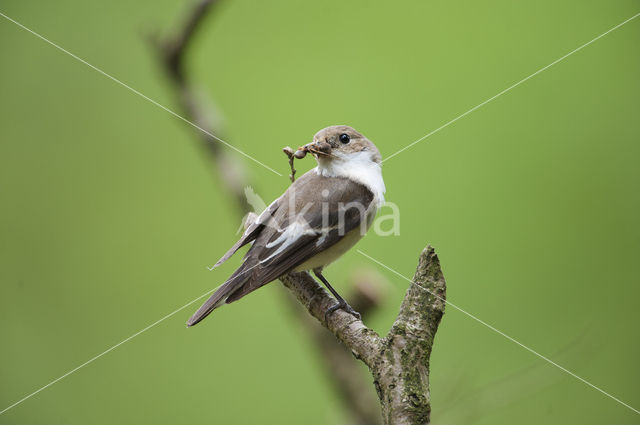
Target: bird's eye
{"points": [[344, 138]]}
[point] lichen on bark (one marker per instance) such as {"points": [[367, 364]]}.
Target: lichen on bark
{"points": [[399, 361]]}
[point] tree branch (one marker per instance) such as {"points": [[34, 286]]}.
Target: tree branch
{"points": [[402, 376], [362, 341], [349, 381], [399, 362], [171, 51]]}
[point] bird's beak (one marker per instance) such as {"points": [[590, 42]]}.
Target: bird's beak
{"points": [[316, 148]]}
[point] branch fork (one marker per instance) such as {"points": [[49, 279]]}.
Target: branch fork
{"points": [[399, 361]]}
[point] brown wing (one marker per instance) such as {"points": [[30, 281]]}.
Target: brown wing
{"points": [[252, 231], [297, 231]]}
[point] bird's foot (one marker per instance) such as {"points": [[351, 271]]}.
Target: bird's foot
{"points": [[342, 305]]}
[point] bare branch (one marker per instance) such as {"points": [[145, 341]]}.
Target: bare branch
{"points": [[171, 51], [398, 362], [362, 341], [348, 380], [402, 376]]}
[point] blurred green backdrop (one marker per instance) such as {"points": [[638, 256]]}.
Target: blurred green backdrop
{"points": [[110, 215]]}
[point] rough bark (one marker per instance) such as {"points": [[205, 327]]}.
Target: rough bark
{"points": [[348, 381], [399, 362], [402, 374]]}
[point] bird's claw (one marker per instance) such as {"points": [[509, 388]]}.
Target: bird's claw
{"points": [[342, 305]]}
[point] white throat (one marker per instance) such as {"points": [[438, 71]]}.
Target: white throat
{"points": [[358, 167]]}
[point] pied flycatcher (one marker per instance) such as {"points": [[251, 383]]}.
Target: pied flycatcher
{"points": [[317, 219]]}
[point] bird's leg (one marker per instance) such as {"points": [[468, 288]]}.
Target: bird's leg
{"points": [[342, 304]]}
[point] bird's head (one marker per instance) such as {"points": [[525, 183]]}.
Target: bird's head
{"points": [[340, 143]]}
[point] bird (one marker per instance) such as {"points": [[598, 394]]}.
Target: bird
{"points": [[320, 216]]}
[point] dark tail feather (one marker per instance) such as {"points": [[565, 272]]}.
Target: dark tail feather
{"points": [[233, 284]]}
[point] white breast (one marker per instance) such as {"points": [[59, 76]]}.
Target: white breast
{"points": [[358, 167]]}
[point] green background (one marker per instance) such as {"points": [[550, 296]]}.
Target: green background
{"points": [[110, 215]]}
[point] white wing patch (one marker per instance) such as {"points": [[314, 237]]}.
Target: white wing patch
{"points": [[289, 236]]}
